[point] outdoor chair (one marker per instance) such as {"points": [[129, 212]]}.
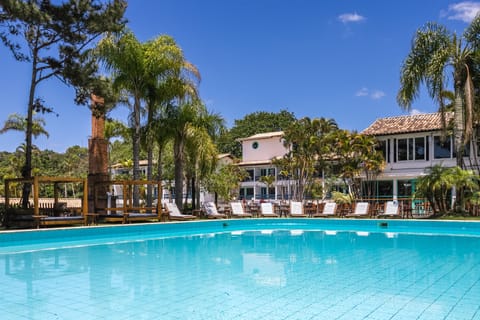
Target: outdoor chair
{"points": [[211, 211], [361, 210], [237, 210], [175, 214], [296, 209], [329, 210], [391, 210], [266, 210]]}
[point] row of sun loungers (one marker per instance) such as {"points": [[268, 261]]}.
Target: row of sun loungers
{"points": [[268, 210], [296, 209], [235, 210]]}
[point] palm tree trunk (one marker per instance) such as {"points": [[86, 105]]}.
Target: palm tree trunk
{"points": [[178, 155], [136, 150], [459, 126], [149, 176]]}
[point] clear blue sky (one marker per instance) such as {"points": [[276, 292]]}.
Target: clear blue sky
{"points": [[334, 59]]}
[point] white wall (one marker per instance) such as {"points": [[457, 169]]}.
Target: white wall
{"points": [[267, 149]]}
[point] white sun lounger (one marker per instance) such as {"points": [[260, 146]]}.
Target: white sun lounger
{"points": [[329, 210], [175, 214], [361, 210], [296, 209], [211, 211], [266, 210], [237, 210]]}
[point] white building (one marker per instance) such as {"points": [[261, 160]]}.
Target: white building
{"points": [[258, 151], [410, 145]]}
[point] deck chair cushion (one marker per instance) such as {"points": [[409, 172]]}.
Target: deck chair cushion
{"points": [[210, 208], [329, 208], [267, 208], [296, 208], [237, 208], [391, 208]]}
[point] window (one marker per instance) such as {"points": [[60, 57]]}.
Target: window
{"points": [[377, 189], [382, 147], [246, 193], [267, 172], [385, 189], [442, 147], [420, 148], [411, 149], [250, 173], [405, 188], [402, 149], [255, 145]]}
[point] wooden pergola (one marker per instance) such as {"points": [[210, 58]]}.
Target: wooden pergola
{"points": [[17, 216]]}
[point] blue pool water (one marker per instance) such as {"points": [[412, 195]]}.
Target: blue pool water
{"points": [[244, 269]]}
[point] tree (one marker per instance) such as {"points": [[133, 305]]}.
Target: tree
{"points": [[168, 77], [434, 187], [124, 55], [253, 123], [54, 39], [201, 151], [225, 181], [181, 119], [306, 140], [17, 122], [435, 51], [269, 180], [356, 155]]}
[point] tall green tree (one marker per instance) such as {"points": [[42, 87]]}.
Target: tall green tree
{"points": [[434, 54], [357, 159], [306, 140], [182, 119], [54, 38], [201, 151], [124, 56], [168, 74]]}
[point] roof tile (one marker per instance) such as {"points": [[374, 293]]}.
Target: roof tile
{"points": [[407, 124]]}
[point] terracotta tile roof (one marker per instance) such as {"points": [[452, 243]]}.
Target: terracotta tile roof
{"points": [[407, 124]]}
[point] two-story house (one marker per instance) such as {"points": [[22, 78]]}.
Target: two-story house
{"points": [[258, 151], [410, 145]]}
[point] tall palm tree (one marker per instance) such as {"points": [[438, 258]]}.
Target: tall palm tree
{"points": [[180, 121], [306, 139], [435, 51], [125, 57], [167, 72], [201, 159]]}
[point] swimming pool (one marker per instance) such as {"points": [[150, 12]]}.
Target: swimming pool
{"points": [[244, 269]]}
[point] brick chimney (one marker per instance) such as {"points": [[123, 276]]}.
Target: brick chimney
{"points": [[97, 158]]}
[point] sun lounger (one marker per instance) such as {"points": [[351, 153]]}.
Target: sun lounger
{"points": [[391, 210], [296, 209], [361, 210], [211, 211], [175, 214], [266, 210], [237, 210], [329, 210]]}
